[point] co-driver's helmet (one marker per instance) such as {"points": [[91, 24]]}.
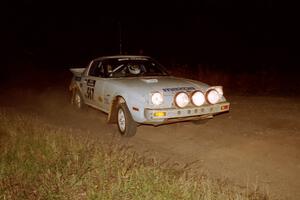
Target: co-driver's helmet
{"points": [[134, 69]]}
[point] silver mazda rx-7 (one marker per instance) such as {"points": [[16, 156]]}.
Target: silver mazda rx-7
{"points": [[135, 90]]}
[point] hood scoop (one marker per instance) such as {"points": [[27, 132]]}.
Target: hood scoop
{"points": [[149, 80]]}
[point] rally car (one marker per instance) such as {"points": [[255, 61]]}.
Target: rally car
{"points": [[135, 90]]}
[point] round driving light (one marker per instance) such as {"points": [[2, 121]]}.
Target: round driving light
{"points": [[182, 99], [157, 98], [198, 98], [213, 96]]}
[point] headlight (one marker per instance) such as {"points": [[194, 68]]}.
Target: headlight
{"points": [[157, 98], [213, 96], [219, 90], [182, 99], [198, 98]]}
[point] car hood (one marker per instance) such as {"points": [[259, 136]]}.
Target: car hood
{"points": [[167, 85]]}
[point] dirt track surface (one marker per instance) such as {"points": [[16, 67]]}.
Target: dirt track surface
{"points": [[256, 144]]}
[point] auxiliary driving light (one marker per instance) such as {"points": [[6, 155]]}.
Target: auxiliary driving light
{"points": [[182, 99], [213, 96], [198, 98]]}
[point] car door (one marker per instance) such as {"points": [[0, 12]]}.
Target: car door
{"points": [[92, 86], [98, 94]]}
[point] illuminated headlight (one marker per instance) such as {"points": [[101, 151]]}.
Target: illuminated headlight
{"points": [[198, 98], [213, 96], [157, 98], [219, 90], [182, 99]]}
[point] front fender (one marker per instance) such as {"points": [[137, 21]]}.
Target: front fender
{"points": [[135, 103]]}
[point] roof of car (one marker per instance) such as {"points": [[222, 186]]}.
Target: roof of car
{"points": [[123, 56]]}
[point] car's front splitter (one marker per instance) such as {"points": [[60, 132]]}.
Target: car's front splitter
{"points": [[161, 116]]}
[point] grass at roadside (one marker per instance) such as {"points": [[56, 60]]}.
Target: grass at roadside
{"points": [[42, 161]]}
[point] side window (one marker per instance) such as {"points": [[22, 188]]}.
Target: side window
{"points": [[101, 70], [96, 69], [93, 68], [106, 69]]}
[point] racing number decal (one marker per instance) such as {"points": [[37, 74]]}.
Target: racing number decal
{"points": [[90, 89], [89, 93]]}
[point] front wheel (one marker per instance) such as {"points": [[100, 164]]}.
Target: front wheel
{"points": [[127, 126]]}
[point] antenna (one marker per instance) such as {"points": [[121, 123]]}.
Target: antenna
{"points": [[120, 37]]}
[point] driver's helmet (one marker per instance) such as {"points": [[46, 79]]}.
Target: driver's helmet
{"points": [[134, 69]]}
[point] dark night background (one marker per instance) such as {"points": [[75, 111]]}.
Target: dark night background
{"points": [[235, 38]]}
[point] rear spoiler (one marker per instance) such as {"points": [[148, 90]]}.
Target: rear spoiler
{"points": [[77, 71]]}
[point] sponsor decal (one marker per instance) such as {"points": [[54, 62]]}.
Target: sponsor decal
{"points": [[178, 89], [91, 82], [77, 78], [132, 58]]}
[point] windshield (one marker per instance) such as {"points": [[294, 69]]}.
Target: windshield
{"points": [[125, 67]]}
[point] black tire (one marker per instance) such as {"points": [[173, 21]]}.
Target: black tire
{"points": [[126, 125], [77, 100]]}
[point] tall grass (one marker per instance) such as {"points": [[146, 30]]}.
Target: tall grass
{"points": [[42, 161]]}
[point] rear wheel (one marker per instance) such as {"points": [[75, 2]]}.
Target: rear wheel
{"points": [[77, 100], [127, 126]]}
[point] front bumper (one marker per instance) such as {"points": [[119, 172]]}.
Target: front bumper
{"points": [[184, 114]]}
